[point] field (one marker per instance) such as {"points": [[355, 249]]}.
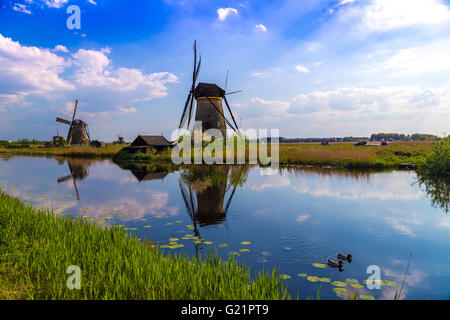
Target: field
{"points": [[343, 155], [37, 247]]}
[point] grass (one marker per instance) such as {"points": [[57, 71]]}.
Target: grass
{"points": [[69, 151], [36, 247], [346, 155], [341, 155]]}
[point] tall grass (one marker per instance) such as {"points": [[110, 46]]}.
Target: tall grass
{"points": [[36, 247]]}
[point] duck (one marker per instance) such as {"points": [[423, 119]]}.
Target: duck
{"points": [[335, 264], [344, 257]]}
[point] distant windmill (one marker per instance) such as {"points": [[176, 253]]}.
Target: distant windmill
{"points": [[78, 171], [77, 134], [209, 98]]}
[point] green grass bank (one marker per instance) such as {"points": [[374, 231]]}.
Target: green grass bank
{"points": [[36, 248]]}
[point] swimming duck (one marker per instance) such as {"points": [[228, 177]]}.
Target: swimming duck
{"points": [[344, 257], [335, 264]]}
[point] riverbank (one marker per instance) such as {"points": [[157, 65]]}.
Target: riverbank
{"points": [[339, 155], [37, 247]]}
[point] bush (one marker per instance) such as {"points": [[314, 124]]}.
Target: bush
{"points": [[437, 163]]}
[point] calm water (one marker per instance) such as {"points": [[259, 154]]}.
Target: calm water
{"points": [[289, 221]]}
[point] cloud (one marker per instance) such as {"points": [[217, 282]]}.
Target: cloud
{"points": [[302, 218], [60, 48], [223, 13], [87, 73], [428, 58], [55, 3], [301, 68], [21, 8], [92, 2], [26, 70], [382, 15], [261, 27]]}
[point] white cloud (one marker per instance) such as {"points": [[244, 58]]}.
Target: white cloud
{"points": [[21, 8], [431, 57], [27, 70], [60, 48], [90, 73], [345, 2], [387, 14], [302, 218], [261, 27], [92, 2], [301, 68], [55, 3], [223, 13]]}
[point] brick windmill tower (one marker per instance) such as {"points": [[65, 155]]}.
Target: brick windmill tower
{"points": [[209, 98]]}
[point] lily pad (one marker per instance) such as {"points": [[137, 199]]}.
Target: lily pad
{"points": [[339, 284], [222, 245], [173, 239], [340, 290], [352, 281], [245, 243], [391, 283], [325, 280], [356, 285], [207, 242], [319, 265], [285, 276], [313, 278], [287, 248], [244, 250], [302, 275]]}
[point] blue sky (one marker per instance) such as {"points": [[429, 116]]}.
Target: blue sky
{"points": [[309, 68]]}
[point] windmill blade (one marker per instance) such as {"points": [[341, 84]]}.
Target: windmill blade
{"points": [[195, 64], [76, 189], [183, 116], [69, 134], [226, 80], [198, 70], [233, 92], [229, 199], [64, 178], [58, 119], [75, 110], [190, 110], [231, 113]]}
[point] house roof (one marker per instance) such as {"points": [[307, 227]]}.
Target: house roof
{"points": [[208, 90], [151, 141]]}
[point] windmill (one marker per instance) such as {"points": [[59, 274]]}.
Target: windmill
{"points": [[77, 134], [204, 198], [78, 171], [209, 97]]}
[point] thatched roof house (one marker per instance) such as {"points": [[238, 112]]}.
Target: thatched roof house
{"points": [[151, 141], [147, 144]]}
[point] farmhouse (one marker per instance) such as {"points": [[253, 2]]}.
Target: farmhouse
{"points": [[149, 144]]}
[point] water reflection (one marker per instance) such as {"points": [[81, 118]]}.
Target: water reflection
{"points": [[438, 190], [78, 169], [205, 188], [289, 220]]}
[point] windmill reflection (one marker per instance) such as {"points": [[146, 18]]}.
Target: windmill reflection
{"points": [[78, 171], [207, 192]]}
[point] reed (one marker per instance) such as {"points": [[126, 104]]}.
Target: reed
{"points": [[37, 246]]}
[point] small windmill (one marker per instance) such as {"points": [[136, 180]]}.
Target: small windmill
{"points": [[77, 134], [209, 97]]}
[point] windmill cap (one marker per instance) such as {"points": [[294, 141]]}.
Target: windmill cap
{"points": [[208, 90]]}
